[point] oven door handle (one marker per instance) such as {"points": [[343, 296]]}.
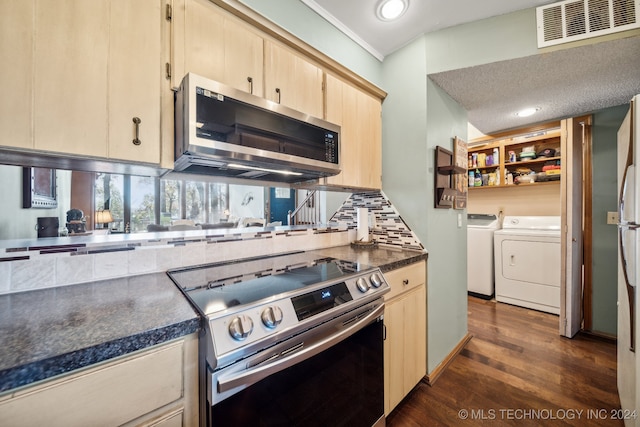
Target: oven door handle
{"points": [[252, 376]]}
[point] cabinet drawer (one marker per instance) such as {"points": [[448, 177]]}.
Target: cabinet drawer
{"points": [[111, 394], [405, 278]]}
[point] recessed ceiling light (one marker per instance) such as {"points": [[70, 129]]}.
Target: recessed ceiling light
{"points": [[528, 112], [388, 10]]}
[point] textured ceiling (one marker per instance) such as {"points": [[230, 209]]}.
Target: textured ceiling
{"points": [[564, 83]]}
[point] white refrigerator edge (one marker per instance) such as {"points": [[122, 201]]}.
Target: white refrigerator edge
{"points": [[628, 242]]}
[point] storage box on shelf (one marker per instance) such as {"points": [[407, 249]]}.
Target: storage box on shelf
{"points": [[521, 160]]}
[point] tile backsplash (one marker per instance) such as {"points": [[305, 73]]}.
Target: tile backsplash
{"points": [[28, 265], [388, 228], [35, 267]]}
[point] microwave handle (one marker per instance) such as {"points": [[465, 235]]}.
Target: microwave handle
{"points": [[252, 376]]}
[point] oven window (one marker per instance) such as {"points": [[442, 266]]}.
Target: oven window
{"points": [[342, 386]]}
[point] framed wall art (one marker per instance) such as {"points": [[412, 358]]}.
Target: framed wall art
{"points": [[39, 188]]}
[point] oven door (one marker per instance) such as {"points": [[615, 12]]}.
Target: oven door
{"points": [[333, 379]]}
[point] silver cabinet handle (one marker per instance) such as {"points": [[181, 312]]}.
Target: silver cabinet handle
{"points": [[250, 80], [279, 95], [136, 140]]}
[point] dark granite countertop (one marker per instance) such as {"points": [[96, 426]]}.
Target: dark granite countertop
{"points": [[385, 258], [52, 331]]}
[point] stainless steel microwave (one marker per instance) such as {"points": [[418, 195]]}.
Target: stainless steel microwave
{"points": [[227, 132]]}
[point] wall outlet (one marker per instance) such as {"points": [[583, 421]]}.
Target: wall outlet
{"points": [[612, 218]]}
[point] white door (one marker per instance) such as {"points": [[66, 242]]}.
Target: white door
{"points": [[574, 133]]}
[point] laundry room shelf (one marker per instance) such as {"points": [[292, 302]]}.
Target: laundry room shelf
{"points": [[523, 185], [492, 158]]}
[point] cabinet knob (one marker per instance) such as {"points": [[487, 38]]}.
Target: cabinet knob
{"points": [[405, 282], [136, 140], [279, 94]]}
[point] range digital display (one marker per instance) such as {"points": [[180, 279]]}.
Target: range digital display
{"points": [[310, 304]]}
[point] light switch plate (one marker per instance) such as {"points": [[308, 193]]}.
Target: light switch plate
{"points": [[612, 218]]}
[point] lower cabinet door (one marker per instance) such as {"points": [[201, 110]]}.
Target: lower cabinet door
{"points": [[111, 394], [393, 355], [405, 349]]}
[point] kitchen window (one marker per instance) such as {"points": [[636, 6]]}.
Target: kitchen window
{"points": [[135, 202]]}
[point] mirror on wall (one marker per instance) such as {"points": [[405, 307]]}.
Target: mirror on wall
{"points": [[98, 203]]}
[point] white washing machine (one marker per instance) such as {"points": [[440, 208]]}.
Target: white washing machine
{"points": [[480, 270], [527, 257]]}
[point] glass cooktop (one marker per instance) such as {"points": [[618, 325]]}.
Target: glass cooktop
{"points": [[215, 288]]}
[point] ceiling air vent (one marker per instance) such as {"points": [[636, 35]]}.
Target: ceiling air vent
{"points": [[571, 20]]}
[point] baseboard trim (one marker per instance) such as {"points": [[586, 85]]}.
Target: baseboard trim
{"points": [[432, 377], [600, 336]]}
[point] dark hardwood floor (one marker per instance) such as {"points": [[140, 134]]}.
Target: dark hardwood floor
{"points": [[517, 370]]}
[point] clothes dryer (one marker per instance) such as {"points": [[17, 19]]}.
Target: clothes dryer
{"points": [[480, 264], [527, 262]]}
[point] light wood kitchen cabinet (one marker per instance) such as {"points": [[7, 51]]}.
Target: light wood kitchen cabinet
{"points": [[243, 58], [135, 79], [16, 69], [211, 43], [405, 345], [70, 77], [359, 116], [80, 75], [292, 80], [156, 386]]}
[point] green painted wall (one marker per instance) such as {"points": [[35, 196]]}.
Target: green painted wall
{"points": [[418, 116], [446, 237], [605, 236], [482, 42], [405, 157]]}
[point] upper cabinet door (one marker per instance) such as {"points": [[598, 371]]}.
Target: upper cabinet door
{"points": [[70, 76], [135, 73], [243, 58], [197, 40], [369, 136], [16, 69], [214, 45], [293, 81], [359, 117]]}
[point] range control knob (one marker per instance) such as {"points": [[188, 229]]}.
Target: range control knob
{"points": [[362, 284], [240, 327], [375, 280], [271, 316]]}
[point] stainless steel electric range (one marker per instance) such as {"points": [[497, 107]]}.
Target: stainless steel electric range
{"points": [[289, 340]]}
